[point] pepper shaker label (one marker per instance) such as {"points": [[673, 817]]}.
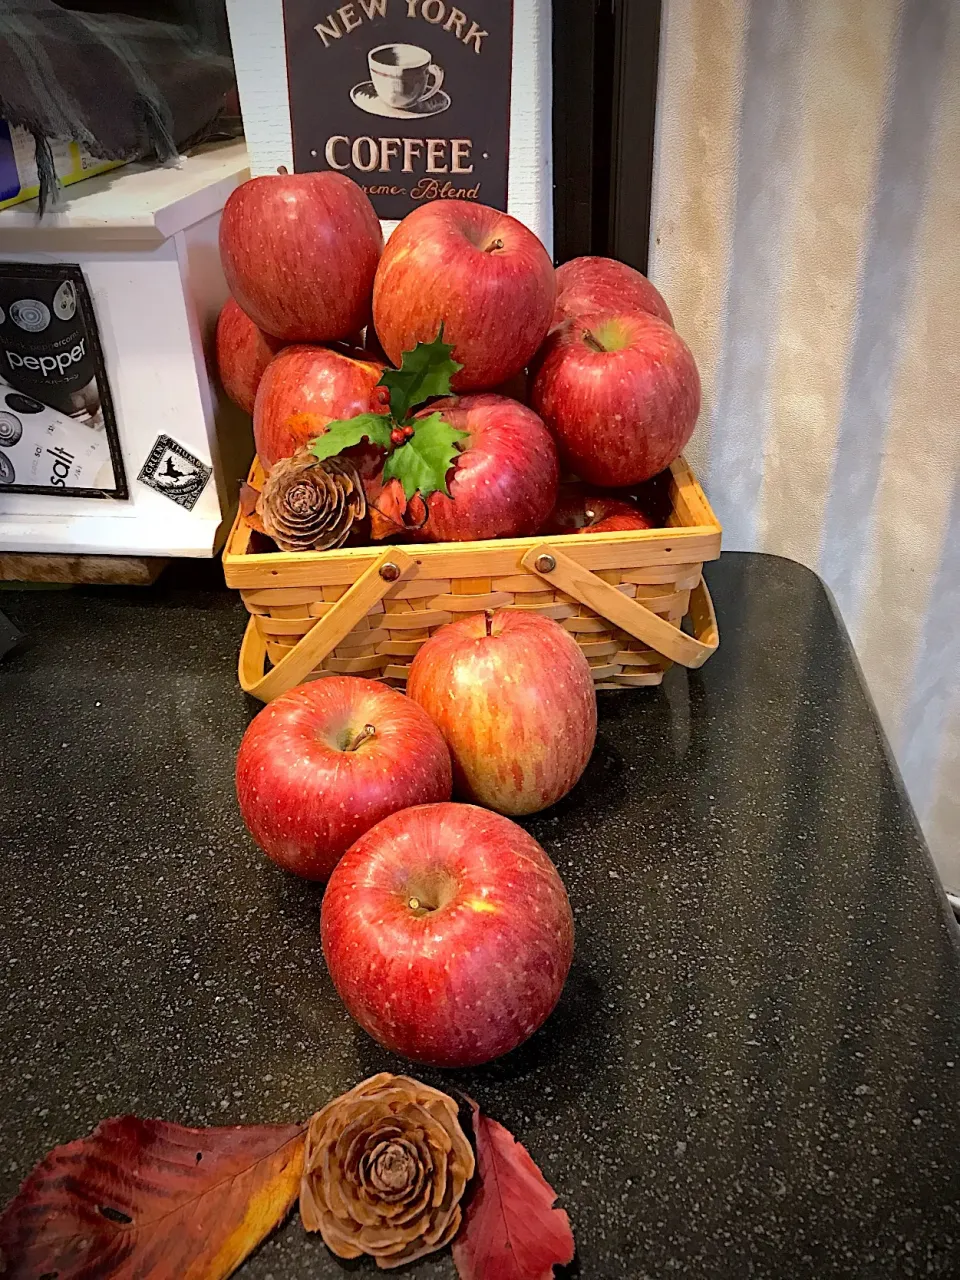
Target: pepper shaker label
{"points": [[58, 434]]}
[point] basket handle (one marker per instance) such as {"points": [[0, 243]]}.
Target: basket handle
{"points": [[630, 615], [324, 636]]}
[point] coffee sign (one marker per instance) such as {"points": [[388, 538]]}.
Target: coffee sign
{"points": [[410, 98]]}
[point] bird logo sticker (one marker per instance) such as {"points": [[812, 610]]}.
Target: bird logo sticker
{"points": [[175, 472]]}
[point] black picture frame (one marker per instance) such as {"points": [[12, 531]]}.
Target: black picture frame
{"points": [[606, 56]]}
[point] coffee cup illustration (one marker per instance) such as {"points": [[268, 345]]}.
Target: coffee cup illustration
{"points": [[404, 82]]}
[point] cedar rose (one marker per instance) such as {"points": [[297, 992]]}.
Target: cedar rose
{"points": [[385, 1169], [309, 505]]}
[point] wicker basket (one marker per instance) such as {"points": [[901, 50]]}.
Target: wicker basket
{"points": [[367, 610]]}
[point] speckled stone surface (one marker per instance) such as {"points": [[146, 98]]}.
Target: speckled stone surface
{"points": [[755, 1067]]}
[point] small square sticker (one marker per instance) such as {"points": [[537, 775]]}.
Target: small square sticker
{"points": [[174, 471]]}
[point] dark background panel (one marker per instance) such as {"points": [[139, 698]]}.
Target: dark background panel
{"points": [[605, 67]]}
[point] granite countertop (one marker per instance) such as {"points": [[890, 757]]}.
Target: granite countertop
{"points": [[755, 1067]]}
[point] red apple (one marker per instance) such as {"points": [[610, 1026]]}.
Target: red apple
{"points": [[577, 510], [327, 760], [513, 696], [243, 352], [515, 388], [505, 480], [448, 934], [300, 251], [588, 285], [654, 498], [622, 522], [303, 389], [478, 272], [621, 394]]}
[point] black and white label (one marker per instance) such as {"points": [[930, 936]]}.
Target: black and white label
{"points": [[58, 431], [175, 472]]}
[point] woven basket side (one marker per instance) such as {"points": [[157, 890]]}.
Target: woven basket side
{"points": [[385, 641]]}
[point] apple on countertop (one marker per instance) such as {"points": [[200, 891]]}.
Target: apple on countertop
{"points": [[513, 696], [327, 760], [448, 934]]}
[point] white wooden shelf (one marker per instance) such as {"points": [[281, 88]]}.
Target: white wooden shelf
{"points": [[141, 202]]}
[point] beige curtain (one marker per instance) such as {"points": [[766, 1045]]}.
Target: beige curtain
{"points": [[806, 232]]}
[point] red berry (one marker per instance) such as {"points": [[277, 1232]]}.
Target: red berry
{"points": [[397, 436], [408, 432]]}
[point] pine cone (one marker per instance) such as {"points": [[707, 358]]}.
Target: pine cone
{"points": [[308, 505], [384, 1171]]}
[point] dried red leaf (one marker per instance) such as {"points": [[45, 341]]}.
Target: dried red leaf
{"points": [[147, 1198], [248, 498], [511, 1230], [417, 512], [366, 457], [248, 506], [386, 505], [390, 513]]}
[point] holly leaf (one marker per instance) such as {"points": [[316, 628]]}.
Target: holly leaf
{"points": [[346, 432], [423, 462], [143, 1197], [424, 373], [511, 1231]]}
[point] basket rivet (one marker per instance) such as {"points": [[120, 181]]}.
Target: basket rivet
{"points": [[389, 572], [545, 564]]}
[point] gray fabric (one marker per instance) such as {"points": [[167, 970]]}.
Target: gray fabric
{"points": [[122, 84]]}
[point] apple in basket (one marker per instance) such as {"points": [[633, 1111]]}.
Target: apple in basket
{"points": [[578, 510], [621, 394], [504, 483], [588, 285], [300, 251], [243, 353], [448, 934], [477, 271], [513, 696], [304, 389], [327, 760]]}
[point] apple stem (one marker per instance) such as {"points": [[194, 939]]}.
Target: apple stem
{"points": [[497, 244], [592, 343], [366, 732], [488, 621]]}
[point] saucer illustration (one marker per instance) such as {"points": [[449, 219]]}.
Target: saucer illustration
{"points": [[365, 97], [11, 428], [30, 314]]}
